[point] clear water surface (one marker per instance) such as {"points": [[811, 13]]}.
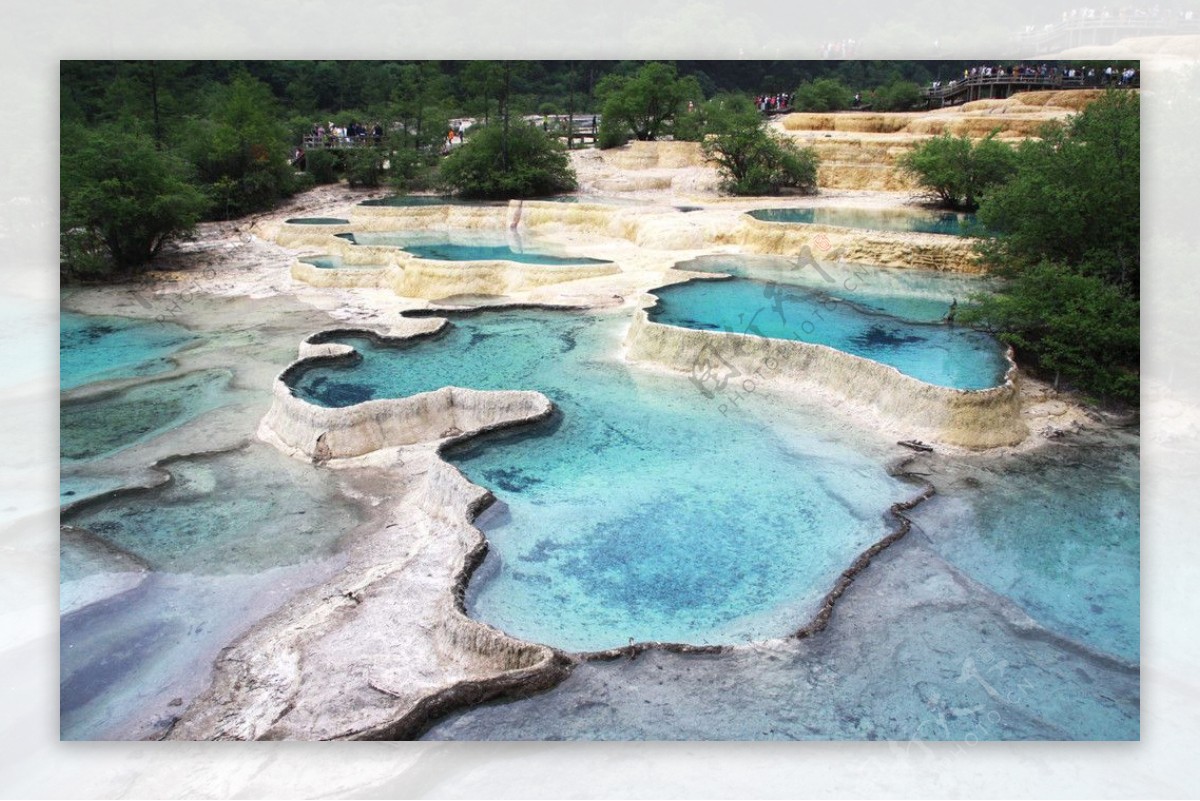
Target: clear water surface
{"points": [[939, 354], [318, 221], [644, 512], [876, 220], [101, 348], [469, 246]]}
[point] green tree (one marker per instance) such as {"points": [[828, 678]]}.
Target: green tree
{"points": [[644, 105], [241, 149], [1066, 233], [364, 166], [959, 171], [1066, 326], [823, 94], [713, 116], [323, 165], [896, 96], [1075, 198], [751, 159], [119, 190], [418, 103], [534, 165]]}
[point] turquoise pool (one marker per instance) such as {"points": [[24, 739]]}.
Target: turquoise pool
{"points": [[406, 201], [330, 262], [469, 247], [98, 348], [876, 220], [938, 354], [643, 511]]}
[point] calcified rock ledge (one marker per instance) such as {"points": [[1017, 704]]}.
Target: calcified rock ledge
{"points": [[857, 386], [650, 227], [885, 249], [317, 433], [385, 646]]}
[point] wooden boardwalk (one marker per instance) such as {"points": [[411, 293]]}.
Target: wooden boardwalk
{"points": [[1102, 31], [964, 90]]}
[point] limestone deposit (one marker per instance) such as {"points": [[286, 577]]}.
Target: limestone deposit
{"points": [[860, 387], [858, 150], [384, 646]]}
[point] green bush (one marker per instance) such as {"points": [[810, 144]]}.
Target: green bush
{"points": [[897, 96], [753, 161], [713, 116], [611, 134], [364, 166], [522, 162], [119, 190], [303, 182], [1067, 326], [959, 171], [824, 94], [322, 165], [411, 171]]}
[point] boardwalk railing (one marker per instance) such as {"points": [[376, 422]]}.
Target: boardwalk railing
{"points": [[1000, 86], [330, 142], [1102, 31]]}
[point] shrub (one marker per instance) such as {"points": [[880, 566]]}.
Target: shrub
{"points": [[364, 166], [118, 189], [897, 96], [410, 171], [303, 182], [498, 164], [959, 171], [753, 161], [823, 94], [1066, 325], [322, 165]]}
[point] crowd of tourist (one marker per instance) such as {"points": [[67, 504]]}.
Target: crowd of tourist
{"points": [[1054, 74], [1117, 16], [780, 101], [839, 50], [353, 134]]}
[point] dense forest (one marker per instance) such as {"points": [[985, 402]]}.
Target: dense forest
{"points": [[165, 92], [149, 148]]}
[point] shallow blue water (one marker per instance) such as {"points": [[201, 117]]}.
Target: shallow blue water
{"points": [[469, 246], [99, 348], [331, 262], [919, 296], [938, 354], [1058, 535], [647, 513], [98, 427], [226, 541], [421, 200], [876, 220]]}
